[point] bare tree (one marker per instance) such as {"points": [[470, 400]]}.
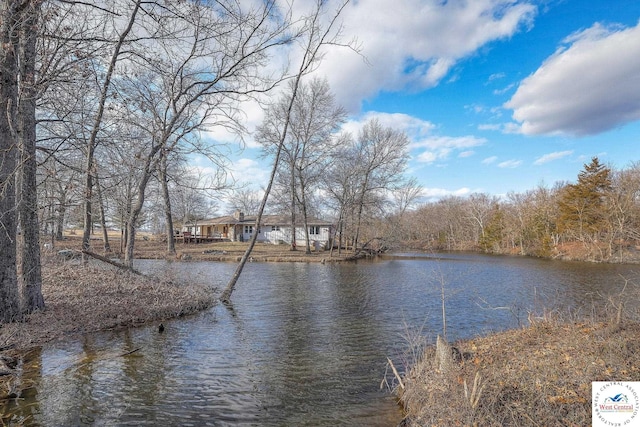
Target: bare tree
{"points": [[407, 195], [246, 200], [214, 58], [380, 156], [623, 201], [340, 185], [317, 36], [480, 206], [18, 192], [309, 146], [92, 141]]}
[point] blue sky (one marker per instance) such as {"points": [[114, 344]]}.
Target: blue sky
{"points": [[495, 95]]}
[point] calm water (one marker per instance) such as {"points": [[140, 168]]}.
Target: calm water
{"points": [[303, 344]]}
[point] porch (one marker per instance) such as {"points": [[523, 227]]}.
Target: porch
{"points": [[187, 237]]}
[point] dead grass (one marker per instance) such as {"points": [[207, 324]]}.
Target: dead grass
{"points": [[81, 299], [536, 376], [154, 247]]}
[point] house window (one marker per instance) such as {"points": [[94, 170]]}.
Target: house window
{"points": [[314, 229], [248, 229], [275, 228]]}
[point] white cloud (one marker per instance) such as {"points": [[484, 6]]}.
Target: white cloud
{"points": [[552, 156], [511, 164], [429, 147], [489, 127], [504, 89], [251, 172], [489, 160], [440, 147], [497, 76], [427, 157], [587, 87], [250, 115], [440, 193], [413, 44], [467, 153], [414, 127]]}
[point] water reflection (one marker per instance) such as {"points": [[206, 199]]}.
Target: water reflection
{"points": [[302, 344]]}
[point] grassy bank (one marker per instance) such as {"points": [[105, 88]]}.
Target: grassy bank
{"points": [[535, 376], [154, 247], [93, 298]]}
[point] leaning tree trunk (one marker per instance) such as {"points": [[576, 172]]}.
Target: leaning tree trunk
{"points": [[29, 268], [9, 300], [315, 42]]}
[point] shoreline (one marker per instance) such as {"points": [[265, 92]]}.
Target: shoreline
{"points": [[92, 298], [152, 247], [536, 375], [155, 247]]}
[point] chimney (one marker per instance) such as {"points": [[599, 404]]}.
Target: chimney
{"points": [[238, 215]]}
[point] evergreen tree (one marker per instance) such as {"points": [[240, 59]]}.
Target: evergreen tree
{"points": [[582, 205]]}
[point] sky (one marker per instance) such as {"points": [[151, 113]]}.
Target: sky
{"points": [[495, 95]]}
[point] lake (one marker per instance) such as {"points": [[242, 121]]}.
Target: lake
{"points": [[301, 345]]}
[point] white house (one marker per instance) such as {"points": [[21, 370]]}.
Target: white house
{"points": [[275, 229]]}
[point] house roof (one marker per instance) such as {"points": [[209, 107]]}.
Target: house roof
{"points": [[267, 220]]}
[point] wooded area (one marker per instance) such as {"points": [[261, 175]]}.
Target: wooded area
{"points": [[597, 218], [104, 104]]}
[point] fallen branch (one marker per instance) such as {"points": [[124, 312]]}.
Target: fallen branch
{"points": [[395, 372], [114, 263], [130, 352]]}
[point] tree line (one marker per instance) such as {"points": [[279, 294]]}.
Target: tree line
{"points": [[597, 218]]}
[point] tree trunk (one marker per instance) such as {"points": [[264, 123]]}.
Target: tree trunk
{"points": [[29, 271], [132, 220], [356, 235], [164, 182], [9, 300], [129, 244], [293, 209], [306, 228], [59, 222], [305, 219], [444, 356], [103, 220]]}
